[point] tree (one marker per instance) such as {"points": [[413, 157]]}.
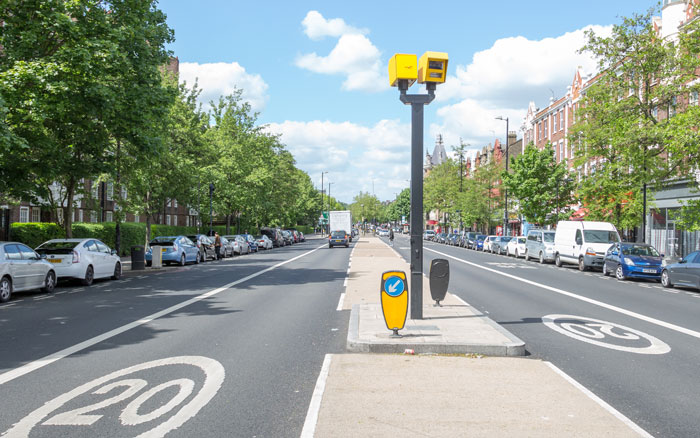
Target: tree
{"points": [[540, 185], [366, 207], [441, 188], [628, 133], [481, 200], [401, 206], [67, 73]]}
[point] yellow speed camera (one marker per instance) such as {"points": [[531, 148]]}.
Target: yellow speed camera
{"points": [[432, 67], [402, 66]]}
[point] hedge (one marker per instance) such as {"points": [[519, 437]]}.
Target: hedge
{"points": [[34, 234]]}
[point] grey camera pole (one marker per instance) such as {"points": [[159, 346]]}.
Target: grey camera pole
{"points": [[417, 102]]}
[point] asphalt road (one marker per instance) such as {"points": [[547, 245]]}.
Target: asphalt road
{"points": [[229, 348], [648, 373]]}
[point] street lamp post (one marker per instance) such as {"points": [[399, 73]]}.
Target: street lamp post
{"points": [[211, 209], [329, 207], [505, 208], [322, 205]]}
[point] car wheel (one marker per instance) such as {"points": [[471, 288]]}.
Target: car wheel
{"points": [[149, 263], [182, 259], [581, 264], [49, 282], [605, 269], [89, 276], [197, 259], [665, 280], [516, 254], [619, 273], [117, 271], [557, 261], [330, 246], [542, 259], [527, 255], [203, 257], [5, 289]]}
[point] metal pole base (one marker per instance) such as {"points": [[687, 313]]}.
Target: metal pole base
{"points": [[437, 303], [395, 334]]}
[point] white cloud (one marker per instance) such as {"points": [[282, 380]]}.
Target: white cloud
{"points": [[503, 79], [354, 56], [354, 155], [317, 27], [221, 79]]}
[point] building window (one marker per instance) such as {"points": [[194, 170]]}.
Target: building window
{"points": [[110, 191], [539, 131], [167, 219], [36, 215], [554, 127], [561, 119], [123, 192], [187, 221], [95, 189], [546, 122], [137, 218], [693, 99], [109, 216], [561, 150], [672, 107], [24, 214], [59, 215], [174, 203], [93, 217], [655, 112], [80, 216]]}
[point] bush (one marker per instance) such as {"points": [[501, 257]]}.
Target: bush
{"points": [[34, 234]]}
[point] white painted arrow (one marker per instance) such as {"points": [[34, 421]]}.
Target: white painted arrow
{"points": [[392, 289]]}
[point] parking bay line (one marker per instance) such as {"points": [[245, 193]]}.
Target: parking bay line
{"points": [[648, 319], [51, 358]]}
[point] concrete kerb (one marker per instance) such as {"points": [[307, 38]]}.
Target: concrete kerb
{"points": [[468, 326]]}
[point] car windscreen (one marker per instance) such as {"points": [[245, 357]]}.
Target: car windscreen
{"points": [[258, 237], [640, 250], [505, 239], [338, 234], [163, 241], [600, 236], [548, 237], [481, 237], [56, 247]]}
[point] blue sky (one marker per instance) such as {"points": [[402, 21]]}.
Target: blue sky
{"points": [[316, 72]]}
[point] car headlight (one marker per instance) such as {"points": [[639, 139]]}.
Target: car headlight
{"points": [[590, 252], [629, 262]]}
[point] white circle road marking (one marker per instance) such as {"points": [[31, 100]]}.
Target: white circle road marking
{"points": [[584, 329], [214, 376]]}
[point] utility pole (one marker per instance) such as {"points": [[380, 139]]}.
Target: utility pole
{"points": [[323, 227], [505, 208], [211, 209]]}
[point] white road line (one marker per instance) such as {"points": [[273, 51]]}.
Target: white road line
{"points": [[315, 406], [617, 414], [648, 319], [340, 302], [345, 282], [47, 360]]}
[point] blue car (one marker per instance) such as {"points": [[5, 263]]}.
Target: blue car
{"points": [[479, 242], [633, 260], [175, 249], [252, 243]]}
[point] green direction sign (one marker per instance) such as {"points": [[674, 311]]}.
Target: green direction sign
{"points": [[325, 215]]}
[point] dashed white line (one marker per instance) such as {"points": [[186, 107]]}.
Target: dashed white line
{"points": [[617, 414], [340, 302], [315, 406]]}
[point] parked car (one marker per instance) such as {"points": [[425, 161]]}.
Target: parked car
{"points": [[583, 243], [227, 248], [274, 235], [684, 273], [263, 242], [175, 249], [251, 242], [468, 240], [382, 232], [21, 269], [338, 238], [499, 243], [205, 246], [638, 260], [487, 243], [540, 245], [85, 259], [303, 238], [452, 239], [478, 244], [516, 246], [288, 238], [428, 234], [240, 244]]}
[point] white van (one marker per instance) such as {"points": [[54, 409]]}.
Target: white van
{"points": [[583, 243]]}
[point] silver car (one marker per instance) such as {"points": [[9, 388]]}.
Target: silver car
{"points": [[85, 259], [23, 269], [540, 245]]}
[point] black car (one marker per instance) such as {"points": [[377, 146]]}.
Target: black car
{"points": [[205, 245], [274, 235]]}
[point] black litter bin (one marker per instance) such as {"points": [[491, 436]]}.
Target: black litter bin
{"points": [[138, 258]]}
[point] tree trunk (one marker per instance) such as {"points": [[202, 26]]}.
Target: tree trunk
{"points": [[117, 216], [228, 224], [68, 209], [148, 218]]}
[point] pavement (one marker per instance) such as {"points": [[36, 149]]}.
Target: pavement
{"points": [[454, 385]]}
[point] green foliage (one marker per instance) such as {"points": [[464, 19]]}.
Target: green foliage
{"points": [[540, 185], [366, 207], [623, 135], [401, 206], [34, 234]]}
